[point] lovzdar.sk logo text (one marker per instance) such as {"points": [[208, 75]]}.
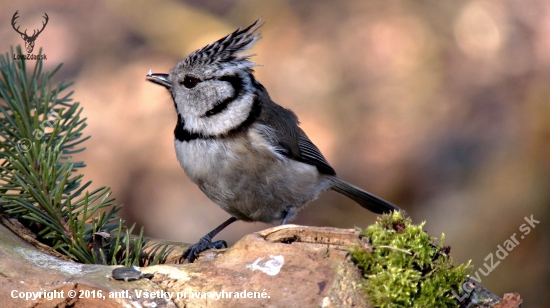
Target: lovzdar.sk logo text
{"points": [[29, 39]]}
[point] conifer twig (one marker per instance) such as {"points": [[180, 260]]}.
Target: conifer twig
{"points": [[40, 128]]}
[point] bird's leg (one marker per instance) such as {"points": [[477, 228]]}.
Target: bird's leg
{"points": [[206, 243], [289, 213]]}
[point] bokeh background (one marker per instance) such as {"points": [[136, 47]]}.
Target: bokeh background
{"points": [[442, 107]]}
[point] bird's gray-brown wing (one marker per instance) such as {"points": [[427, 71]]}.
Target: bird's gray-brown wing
{"points": [[310, 154], [291, 141]]}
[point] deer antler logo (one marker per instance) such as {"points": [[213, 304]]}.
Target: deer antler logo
{"points": [[29, 40]]}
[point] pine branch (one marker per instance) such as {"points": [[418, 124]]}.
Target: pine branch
{"points": [[40, 128]]}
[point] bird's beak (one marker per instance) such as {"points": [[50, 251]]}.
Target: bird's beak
{"points": [[160, 79]]}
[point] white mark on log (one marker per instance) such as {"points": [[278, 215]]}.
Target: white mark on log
{"points": [[150, 304], [135, 304], [270, 267], [45, 261]]}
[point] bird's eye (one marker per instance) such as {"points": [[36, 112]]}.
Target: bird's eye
{"points": [[190, 82]]}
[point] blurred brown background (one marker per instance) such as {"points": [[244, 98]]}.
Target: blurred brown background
{"points": [[442, 107]]}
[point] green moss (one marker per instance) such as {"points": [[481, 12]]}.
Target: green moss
{"points": [[406, 268]]}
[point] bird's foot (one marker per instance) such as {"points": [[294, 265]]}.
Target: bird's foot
{"points": [[203, 244], [287, 215]]}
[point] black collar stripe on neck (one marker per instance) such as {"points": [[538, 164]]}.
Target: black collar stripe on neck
{"points": [[185, 135]]}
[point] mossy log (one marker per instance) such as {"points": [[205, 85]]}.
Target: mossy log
{"points": [[286, 266]]}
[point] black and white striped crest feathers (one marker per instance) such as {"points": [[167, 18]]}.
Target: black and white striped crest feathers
{"points": [[228, 48]]}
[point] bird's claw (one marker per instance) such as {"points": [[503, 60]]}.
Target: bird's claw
{"points": [[203, 244]]}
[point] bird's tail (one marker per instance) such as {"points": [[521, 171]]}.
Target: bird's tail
{"points": [[365, 199]]}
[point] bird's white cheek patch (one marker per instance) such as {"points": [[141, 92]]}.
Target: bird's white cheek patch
{"points": [[270, 267]]}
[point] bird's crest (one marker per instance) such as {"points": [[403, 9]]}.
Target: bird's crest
{"points": [[228, 48]]}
